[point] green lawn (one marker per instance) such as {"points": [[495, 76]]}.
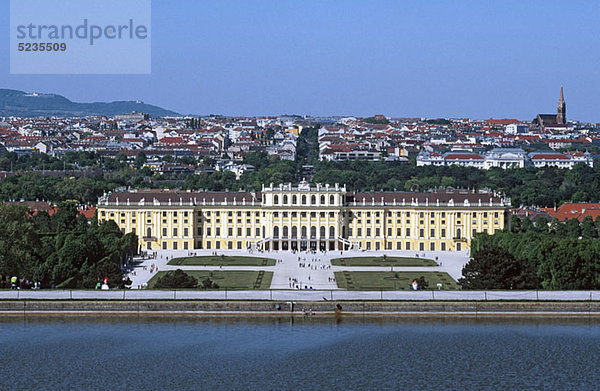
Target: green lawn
{"points": [[228, 279], [212, 260], [380, 261], [366, 281]]}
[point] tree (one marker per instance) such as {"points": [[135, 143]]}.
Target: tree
{"points": [[18, 241], [573, 228], [515, 223], [493, 267], [541, 224], [207, 283], [176, 279], [527, 225], [140, 159], [588, 228]]}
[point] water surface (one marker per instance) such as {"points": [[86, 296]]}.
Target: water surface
{"points": [[300, 354]]}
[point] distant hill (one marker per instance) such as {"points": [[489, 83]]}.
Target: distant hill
{"points": [[19, 103]]}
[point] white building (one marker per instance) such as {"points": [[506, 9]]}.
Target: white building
{"points": [[560, 160], [506, 158], [457, 158], [516, 128]]}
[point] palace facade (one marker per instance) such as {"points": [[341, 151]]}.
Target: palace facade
{"points": [[318, 217]]}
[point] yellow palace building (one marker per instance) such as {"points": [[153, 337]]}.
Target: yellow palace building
{"points": [[317, 217]]}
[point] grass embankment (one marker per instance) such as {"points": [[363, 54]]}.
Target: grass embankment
{"points": [[381, 261], [212, 260], [227, 279], [366, 281]]}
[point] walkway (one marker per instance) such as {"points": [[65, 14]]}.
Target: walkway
{"points": [[307, 270]]}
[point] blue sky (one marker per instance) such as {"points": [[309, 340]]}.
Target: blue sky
{"points": [[478, 59]]}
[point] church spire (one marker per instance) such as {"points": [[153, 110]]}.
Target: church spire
{"points": [[561, 109]]}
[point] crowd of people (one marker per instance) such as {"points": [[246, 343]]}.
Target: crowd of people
{"points": [[15, 282]]}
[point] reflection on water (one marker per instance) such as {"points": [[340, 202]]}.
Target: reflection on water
{"points": [[301, 353]]}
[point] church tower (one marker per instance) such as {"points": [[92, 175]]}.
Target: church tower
{"points": [[561, 109]]}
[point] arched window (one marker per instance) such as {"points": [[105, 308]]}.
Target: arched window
{"points": [[458, 233], [303, 232], [313, 200], [149, 232], [285, 231], [294, 200], [331, 200], [275, 199], [313, 232], [285, 199], [322, 231], [294, 232], [275, 231], [322, 200], [332, 232], [303, 200]]}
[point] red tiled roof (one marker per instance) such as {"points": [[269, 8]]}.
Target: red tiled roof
{"points": [[549, 156], [505, 121], [577, 211], [464, 156], [171, 140]]}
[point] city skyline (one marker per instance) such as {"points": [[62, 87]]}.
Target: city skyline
{"points": [[418, 60]]}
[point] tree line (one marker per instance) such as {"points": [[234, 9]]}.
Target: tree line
{"points": [[542, 255], [61, 250]]}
